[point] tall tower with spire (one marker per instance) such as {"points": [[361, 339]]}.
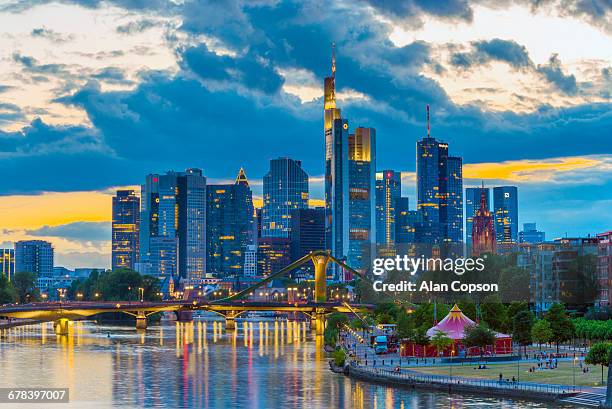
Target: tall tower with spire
{"points": [[336, 133], [483, 228], [439, 193]]}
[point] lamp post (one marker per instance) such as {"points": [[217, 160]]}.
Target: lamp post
{"points": [[574, 371], [141, 290], [518, 364]]}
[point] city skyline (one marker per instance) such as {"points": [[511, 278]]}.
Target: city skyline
{"points": [[533, 139]]}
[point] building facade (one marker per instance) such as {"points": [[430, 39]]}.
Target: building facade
{"points": [[531, 234], [285, 188], [505, 209], [388, 190], [483, 228], [439, 193], [307, 231], [125, 230], [273, 254], [7, 263], [604, 269], [229, 227], [173, 208], [473, 196], [35, 256]]}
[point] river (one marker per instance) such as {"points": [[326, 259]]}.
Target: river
{"points": [[263, 364]]}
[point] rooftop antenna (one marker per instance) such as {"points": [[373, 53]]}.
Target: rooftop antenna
{"points": [[333, 59], [428, 129]]}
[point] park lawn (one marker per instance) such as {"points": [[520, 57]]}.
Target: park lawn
{"points": [[562, 375]]}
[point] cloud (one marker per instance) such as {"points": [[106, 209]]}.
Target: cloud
{"points": [[51, 35], [553, 72], [485, 51], [112, 75], [79, 231], [412, 9], [136, 26]]}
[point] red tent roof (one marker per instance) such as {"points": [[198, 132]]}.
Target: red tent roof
{"points": [[454, 324]]}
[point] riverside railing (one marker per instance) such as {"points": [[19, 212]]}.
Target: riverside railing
{"points": [[411, 376]]}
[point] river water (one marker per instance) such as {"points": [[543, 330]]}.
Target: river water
{"points": [[263, 364]]}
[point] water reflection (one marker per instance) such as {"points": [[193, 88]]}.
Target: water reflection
{"points": [[267, 364]]}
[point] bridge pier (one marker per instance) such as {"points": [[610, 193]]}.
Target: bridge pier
{"points": [[141, 320], [61, 326], [320, 276], [319, 322], [184, 316], [230, 321]]}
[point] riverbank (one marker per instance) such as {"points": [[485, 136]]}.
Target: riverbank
{"points": [[18, 323], [415, 380]]}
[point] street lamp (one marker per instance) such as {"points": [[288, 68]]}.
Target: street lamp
{"points": [[141, 290], [574, 371]]}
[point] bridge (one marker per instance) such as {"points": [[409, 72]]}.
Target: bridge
{"points": [[230, 308]]}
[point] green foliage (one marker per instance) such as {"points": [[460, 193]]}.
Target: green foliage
{"points": [[356, 324], [521, 328], [512, 284], [541, 332], [405, 325], [339, 357], [8, 295], [478, 336], [384, 318], [593, 330], [420, 337], [25, 287], [334, 321], [494, 313], [599, 354], [560, 324], [117, 285], [441, 341], [424, 314], [468, 308]]}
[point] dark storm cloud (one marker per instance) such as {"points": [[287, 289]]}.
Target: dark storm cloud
{"points": [[81, 231], [485, 51], [553, 72]]}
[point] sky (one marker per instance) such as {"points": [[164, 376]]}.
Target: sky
{"points": [[96, 94]]}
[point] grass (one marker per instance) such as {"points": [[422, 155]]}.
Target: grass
{"points": [[563, 375]]}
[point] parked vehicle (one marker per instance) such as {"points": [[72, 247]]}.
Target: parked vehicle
{"points": [[380, 345]]}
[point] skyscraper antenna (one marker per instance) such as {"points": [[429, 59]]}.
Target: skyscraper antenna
{"points": [[333, 59], [428, 121]]}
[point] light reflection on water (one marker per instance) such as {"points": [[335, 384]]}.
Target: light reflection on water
{"points": [[267, 364]]}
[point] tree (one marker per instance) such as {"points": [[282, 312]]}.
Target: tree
{"points": [[541, 332], [25, 286], [599, 354], [7, 292], [405, 326], [478, 336], [384, 318], [560, 324], [494, 313], [441, 341], [521, 328], [420, 337], [339, 357]]}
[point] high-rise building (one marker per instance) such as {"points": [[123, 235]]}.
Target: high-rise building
{"points": [[388, 190], [483, 228], [307, 231], [250, 261], [34, 256], [531, 234], [285, 188], [362, 197], [604, 269], [173, 207], [571, 284], [273, 254], [543, 285], [472, 204], [439, 192], [229, 226], [125, 229], [7, 263], [505, 209]]}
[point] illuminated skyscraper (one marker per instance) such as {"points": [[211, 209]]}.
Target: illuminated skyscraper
{"points": [[173, 207], [307, 231], [439, 192], [388, 190], [285, 188], [7, 263], [472, 204], [229, 226], [125, 229], [362, 197], [505, 208]]}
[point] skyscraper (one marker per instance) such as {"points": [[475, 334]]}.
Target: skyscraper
{"points": [[439, 191], [483, 229], [125, 229], [307, 231], [388, 190], [173, 207], [7, 263], [34, 256], [362, 197], [505, 209], [472, 204], [229, 226], [273, 254], [285, 188]]}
